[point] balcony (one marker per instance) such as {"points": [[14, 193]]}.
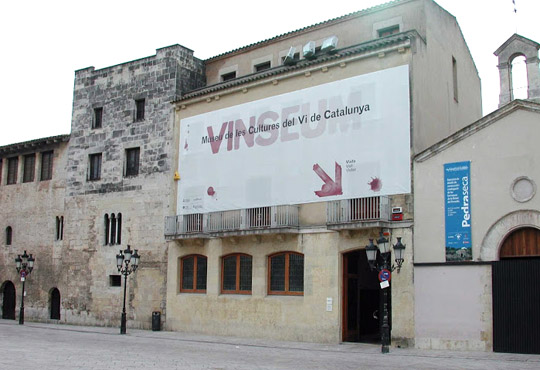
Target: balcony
{"points": [[358, 213], [251, 221]]}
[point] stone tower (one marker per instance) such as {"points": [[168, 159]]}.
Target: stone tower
{"points": [[513, 47]]}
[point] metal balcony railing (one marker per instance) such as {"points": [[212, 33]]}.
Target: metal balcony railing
{"points": [[358, 210], [236, 221]]}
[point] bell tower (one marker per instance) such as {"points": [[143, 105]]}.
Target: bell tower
{"points": [[513, 47]]}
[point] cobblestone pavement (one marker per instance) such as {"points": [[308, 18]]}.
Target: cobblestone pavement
{"points": [[48, 346]]}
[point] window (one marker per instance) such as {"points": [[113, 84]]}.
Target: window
{"points": [[13, 164], [9, 235], [236, 274], [46, 165], [262, 66], [193, 274], [59, 227], [454, 78], [98, 117], [1, 162], [113, 229], [228, 76], [94, 172], [139, 109], [388, 31], [286, 273], [29, 167], [115, 280], [132, 162]]}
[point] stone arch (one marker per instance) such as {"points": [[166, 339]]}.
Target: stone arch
{"points": [[497, 233], [518, 76], [7, 291], [54, 304]]}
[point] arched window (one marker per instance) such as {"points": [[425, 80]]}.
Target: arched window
{"points": [[286, 273], [9, 235], [519, 78], [113, 229], [236, 272], [107, 227], [119, 229], [193, 274], [59, 227]]}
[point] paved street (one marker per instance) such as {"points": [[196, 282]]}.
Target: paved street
{"points": [[47, 346]]}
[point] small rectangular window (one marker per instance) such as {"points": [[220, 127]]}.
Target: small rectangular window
{"points": [[98, 117], [115, 280], [13, 164], [94, 172], [46, 165], [132, 162], [139, 107], [454, 78], [388, 31], [1, 162], [29, 167], [262, 66], [228, 76]]}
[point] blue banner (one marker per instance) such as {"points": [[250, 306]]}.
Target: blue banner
{"points": [[457, 201]]}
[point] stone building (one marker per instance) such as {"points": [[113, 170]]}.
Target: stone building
{"points": [[257, 247], [266, 238], [109, 189], [488, 298]]}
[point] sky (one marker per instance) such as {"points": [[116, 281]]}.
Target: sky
{"points": [[42, 43]]}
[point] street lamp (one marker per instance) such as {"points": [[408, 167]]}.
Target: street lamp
{"points": [[385, 268], [24, 265], [127, 262]]}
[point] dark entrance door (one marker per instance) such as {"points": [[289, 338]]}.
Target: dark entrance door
{"points": [[361, 300], [516, 294], [8, 301], [55, 304]]}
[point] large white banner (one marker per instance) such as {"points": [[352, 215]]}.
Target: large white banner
{"points": [[344, 139]]}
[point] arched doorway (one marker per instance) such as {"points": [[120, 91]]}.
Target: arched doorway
{"points": [[8, 300], [516, 293], [361, 318], [55, 304]]}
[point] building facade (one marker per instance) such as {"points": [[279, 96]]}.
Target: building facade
{"points": [[244, 217], [108, 190], [479, 291], [209, 189]]}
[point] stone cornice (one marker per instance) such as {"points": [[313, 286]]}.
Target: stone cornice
{"points": [[398, 42], [32, 144]]}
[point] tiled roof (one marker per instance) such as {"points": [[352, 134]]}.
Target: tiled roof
{"points": [[304, 29], [302, 63], [32, 144]]}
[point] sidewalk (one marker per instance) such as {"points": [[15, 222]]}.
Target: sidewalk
{"points": [[50, 346]]}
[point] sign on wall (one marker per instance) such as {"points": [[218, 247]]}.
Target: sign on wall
{"points": [[344, 139], [457, 190]]}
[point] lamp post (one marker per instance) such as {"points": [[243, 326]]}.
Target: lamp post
{"points": [[24, 265], [127, 262], [385, 268]]}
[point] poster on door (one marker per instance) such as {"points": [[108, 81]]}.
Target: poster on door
{"points": [[457, 195], [340, 140]]}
